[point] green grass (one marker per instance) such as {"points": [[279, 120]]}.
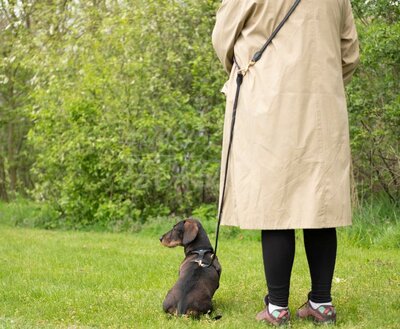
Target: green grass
{"points": [[375, 224], [65, 279]]}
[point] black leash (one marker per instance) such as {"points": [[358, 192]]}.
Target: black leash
{"points": [[239, 79]]}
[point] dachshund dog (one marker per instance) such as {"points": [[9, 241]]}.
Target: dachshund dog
{"points": [[199, 273]]}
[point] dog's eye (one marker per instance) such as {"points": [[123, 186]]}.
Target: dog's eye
{"points": [[178, 226]]}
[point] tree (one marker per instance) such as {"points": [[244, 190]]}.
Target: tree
{"points": [[374, 99]]}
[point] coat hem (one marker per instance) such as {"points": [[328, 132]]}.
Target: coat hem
{"points": [[290, 227]]}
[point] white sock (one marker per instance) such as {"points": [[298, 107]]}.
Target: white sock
{"points": [[272, 307], [316, 305]]}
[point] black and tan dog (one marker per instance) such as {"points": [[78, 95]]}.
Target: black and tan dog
{"points": [[198, 274]]}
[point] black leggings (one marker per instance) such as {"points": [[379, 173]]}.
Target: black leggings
{"points": [[278, 248]]}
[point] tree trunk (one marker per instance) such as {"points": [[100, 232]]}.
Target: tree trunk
{"points": [[3, 186], [12, 169]]}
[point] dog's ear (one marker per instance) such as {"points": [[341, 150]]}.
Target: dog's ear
{"points": [[190, 230]]}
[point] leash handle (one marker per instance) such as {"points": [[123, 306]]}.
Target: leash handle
{"points": [[239, 79]]}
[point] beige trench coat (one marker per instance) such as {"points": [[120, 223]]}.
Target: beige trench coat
{"points": [[290, 158]]}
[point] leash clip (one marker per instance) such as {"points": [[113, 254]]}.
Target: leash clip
{"points": [[246, 69], [201, 264]]}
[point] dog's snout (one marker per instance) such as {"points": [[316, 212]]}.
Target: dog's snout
{"points": [[161, 237]]}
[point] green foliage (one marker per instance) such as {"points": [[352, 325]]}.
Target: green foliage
{"points": [[15, 101], [371, 10], [374, 100], [25, 213], [205, 212], [127, 118], [376, 224]]}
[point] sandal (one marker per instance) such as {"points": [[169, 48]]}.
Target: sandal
{"points": [[322, 314]]}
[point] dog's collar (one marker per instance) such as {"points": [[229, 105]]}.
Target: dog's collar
{"points": [[200, 256]]}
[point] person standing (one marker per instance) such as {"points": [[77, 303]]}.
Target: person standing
{"points": [[289, 166]]}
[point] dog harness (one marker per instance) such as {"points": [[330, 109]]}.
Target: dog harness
{"points": [[200, 257]]}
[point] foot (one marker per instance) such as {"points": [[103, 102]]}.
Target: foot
{"points": [[277, 318], [322, 314]]}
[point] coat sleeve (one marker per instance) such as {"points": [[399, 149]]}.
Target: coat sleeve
{"points": [[231, 17], [349, 43]]}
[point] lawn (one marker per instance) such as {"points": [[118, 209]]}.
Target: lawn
{"points": [[66, 279]]}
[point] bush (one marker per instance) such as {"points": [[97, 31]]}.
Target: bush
{"points": [[127, 117], [374, 100]]}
